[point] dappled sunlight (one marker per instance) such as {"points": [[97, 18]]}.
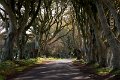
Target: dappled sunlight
{"points": [[64, 61], [81, 78], [46, 72], [55, 70]]}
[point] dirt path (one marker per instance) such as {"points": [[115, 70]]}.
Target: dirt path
{"points": [[54, 70]]}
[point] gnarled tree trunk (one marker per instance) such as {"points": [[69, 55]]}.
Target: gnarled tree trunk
{"points": [[114, 44], [11, 32]]}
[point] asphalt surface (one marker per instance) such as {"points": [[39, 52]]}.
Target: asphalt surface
{"points": [[54, 70]]}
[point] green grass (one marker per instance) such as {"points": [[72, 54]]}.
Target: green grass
{"points": [[19, 69], [115, 71], [12, 67], [2, 77], [52, 58], [78, 62], [82, 61], [95, 65], [26, 62], [7, 67], [39, 59], [103, 71]]}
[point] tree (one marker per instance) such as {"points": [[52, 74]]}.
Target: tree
{"points": [[49, 23], [21, 15], [113, 42]]}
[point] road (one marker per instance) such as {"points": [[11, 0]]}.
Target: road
{"points": [[54, 70]]}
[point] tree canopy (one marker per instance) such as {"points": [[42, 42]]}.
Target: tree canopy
{"points": [[34, 28]]}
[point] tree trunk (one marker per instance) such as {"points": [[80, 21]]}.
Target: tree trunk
{"points": [[101, 52], [21, 42], [9, 42], [114, 44], [11, 32]]}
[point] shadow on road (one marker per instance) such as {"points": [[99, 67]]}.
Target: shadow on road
{"points": [[54, 70]]}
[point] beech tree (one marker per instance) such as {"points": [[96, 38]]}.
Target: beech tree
{"points": [[21, 16]]}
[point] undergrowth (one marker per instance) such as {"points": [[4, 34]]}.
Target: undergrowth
{"points": [[100, 70], [11, 67]]}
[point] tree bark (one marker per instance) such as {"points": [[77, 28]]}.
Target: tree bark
{"points": [[9, 46], [113, 12], [11, 33], [114, 44]]}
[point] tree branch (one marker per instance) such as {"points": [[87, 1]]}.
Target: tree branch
{"points": [[34, 16], [59, 37]]}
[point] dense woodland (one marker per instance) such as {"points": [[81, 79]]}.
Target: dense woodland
{"points": [[34, 28]]}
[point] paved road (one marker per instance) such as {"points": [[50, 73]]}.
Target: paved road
{"points": [[54, 70]]}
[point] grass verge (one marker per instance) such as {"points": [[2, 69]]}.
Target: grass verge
{"points": [[96, 72], [9, 68]]}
